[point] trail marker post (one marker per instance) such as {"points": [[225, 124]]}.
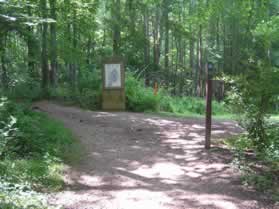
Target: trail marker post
{"points": [[156, 88], [208, 120], [113, 94]]}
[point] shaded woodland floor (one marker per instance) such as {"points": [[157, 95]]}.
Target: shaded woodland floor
{"points": [[139, 161]]}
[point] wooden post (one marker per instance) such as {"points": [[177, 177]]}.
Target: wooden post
{"points": [[156, 89], [208, 119]]}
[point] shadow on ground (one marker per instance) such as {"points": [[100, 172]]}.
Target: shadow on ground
{"points": [[142, 161]]}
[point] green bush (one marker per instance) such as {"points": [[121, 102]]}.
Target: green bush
{"points": [[139, 98], [25, 90], [271, 152], [261, 182], [87, 94], [32, 150], [184, 105], [28, 133], [261, 170]]}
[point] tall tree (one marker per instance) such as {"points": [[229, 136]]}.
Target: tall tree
{"points": [[53, 44], [116, 16], [166, 5], [44, 52]]}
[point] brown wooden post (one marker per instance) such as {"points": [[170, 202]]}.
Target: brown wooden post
{"points": [[113, 94], [208, 119], [156, 88]]}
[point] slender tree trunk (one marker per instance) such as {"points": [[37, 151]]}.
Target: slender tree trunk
{"points": [[68, 35], [176, 65], [156, 38], [199, 63], [31, 48], [44, 53], [146, 45], [192, 51], [132, 17], [218, 47], [74, 53], [4, 73], [89, 45], [116, 15], [166, 21], [104, 38], [224, 66], [53, 47]]}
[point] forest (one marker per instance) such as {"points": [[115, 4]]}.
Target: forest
{"points": [[54, 50]]}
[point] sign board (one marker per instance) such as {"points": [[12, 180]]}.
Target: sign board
{"points": [[113, 94], [112, 76]]}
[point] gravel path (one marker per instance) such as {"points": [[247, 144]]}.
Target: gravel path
{"points": [[139, 161]]}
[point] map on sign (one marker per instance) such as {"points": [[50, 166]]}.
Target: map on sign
{"points": [[112, 76]]}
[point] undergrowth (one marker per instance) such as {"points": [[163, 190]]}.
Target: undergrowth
{"points": [[139, 98], [33, 149], [142, 99], [260, 168]]}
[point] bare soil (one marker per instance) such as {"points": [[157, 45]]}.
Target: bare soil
{"points": [[140, 161]]}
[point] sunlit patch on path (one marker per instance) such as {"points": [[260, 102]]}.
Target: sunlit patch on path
{"points": [[137, 161]]}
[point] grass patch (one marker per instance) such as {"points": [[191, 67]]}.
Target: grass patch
{"points": [[33, 151]]}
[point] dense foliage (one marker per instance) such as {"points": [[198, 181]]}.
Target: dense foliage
{"points": [[260, 168]]}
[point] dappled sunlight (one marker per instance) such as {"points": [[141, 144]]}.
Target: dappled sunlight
{"points": [[104, 114], [198, 127], [218, 132], [161, 170], [137, 161], [194, 135], [90, 180], [161, 122], [212, 201]]}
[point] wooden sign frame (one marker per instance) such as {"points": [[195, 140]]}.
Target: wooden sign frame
{"points": [[114, 98]]}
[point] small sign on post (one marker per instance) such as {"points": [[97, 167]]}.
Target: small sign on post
{"points": [[113, 94]]}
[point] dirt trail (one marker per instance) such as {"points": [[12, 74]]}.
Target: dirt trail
{"points": [[138, 161]]}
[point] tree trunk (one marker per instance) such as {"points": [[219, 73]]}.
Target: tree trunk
{"points": [[156, 38], [116, 15], [74, 53], [146, 45], [89, 45], [53, 46], [166, 21], [31, 48], [192, 53], [132, 18], [44, 53], [4, 74], [199, 63]]}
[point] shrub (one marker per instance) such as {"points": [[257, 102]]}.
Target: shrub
{"points": [[32, 148], [259, 168], [87, 95], [139, 98], [26, 133], [25, 90], [255, 92], [271, 153], [186, 105]]}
